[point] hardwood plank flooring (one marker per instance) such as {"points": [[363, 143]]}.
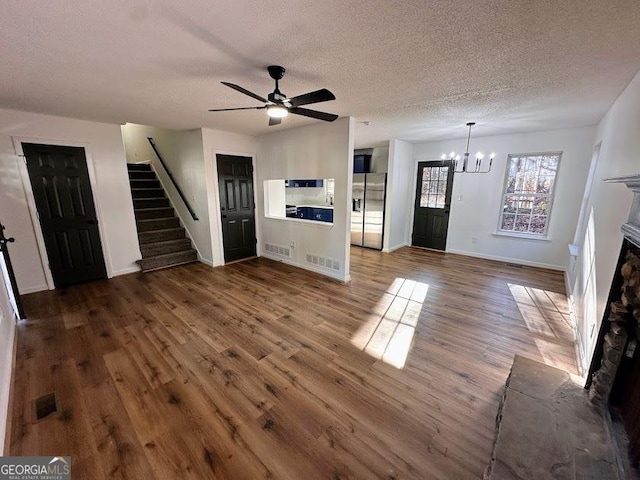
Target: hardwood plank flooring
{"points": [[260, 370]]}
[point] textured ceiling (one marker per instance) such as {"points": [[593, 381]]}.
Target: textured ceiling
{"points": [[417, 70]]}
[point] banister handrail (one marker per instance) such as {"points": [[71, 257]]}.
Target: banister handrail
{"points": [[153, 145]]}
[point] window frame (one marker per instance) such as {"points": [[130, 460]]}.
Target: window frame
{"points": [[551, 195]]}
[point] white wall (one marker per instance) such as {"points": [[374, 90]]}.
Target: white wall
{"points": [[218, 142], [182, 151], [608, 205], [103, 144], [397, 221], [7, 333], [323, 150], [476, 214]]}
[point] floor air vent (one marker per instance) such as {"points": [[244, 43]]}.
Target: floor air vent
{"points": [[278, 250], [328, 263], [45, 405]]}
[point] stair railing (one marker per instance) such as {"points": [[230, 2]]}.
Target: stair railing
{"points": [[184, 199]]}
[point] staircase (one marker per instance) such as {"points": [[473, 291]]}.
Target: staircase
{"points": [[162, 239]]}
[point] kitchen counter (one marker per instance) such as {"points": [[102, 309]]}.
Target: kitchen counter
{"points": [[328, 207]]}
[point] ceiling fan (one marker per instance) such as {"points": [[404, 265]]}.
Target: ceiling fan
{"points": [[279, 106]]}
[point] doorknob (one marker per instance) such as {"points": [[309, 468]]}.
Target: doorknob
{"points": [[224, 216]]}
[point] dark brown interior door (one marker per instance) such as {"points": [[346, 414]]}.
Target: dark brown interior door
{"points": [[235, 182], [432, 205], [62, 192]]}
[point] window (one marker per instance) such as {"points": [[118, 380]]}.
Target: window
{"points": [[528, 193], [434, 187]]}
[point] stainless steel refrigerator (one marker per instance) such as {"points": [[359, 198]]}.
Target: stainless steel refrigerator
{"points": [[367, 209]]}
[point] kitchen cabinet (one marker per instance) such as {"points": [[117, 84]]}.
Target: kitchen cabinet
{"points": [[304, 183], [316, 213]]}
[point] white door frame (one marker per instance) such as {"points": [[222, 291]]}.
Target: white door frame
{"points": [[31, 203]]}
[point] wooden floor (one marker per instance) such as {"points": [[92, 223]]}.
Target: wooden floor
{"points": [[261, 370]]}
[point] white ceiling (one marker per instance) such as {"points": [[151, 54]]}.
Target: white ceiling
{"points": [[417, 70]]}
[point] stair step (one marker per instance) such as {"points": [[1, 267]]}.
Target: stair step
{"points": [[144, 183], [160, 235], [149, 213], [161, 248], [139, 167], [147, 192], [142, 175], [168, 260], [141, 203], [157, 224]]}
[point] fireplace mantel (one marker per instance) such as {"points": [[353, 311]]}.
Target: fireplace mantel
{"points": [[631, 229]]}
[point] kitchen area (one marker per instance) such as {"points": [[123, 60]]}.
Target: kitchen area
{"points": [[310, 199], [368, 197]]}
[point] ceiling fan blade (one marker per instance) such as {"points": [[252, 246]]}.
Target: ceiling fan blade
{"points": [[322, 95], [274, 121], [239, 108], [327, 117], [245, 91]]}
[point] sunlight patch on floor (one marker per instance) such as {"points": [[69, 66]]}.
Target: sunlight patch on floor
{"points": [[388, 332], [546, 315]]}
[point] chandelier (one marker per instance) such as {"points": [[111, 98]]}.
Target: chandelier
{"points": [[463, 165]]}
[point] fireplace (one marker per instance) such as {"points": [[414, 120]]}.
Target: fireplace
{"points": [[614, 376]]}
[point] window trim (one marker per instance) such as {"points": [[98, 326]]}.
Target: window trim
{"points": [[552, 195]]}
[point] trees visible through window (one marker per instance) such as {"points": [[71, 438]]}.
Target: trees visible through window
{"points": [[434, 187], [528, 193]]}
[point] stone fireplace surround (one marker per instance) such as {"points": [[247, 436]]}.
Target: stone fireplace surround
{"points": [[623, 312]]}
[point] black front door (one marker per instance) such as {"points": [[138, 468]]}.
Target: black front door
{"points": [[62, 192], [433, 201], [235, 182]]}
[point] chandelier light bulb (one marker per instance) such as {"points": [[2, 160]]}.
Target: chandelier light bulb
{"points": [[444, 156], [479, 155], [452, 155]]}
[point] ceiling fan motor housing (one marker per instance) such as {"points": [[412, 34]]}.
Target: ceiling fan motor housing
{"points": [[276, 71]]}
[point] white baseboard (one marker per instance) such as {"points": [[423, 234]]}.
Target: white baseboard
{"points": [[288, 261], [206, 261], [516, 261], [125, 271], [37, 288], [393, 249]]}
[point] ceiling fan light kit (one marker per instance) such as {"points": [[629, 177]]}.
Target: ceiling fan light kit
{"points": [[464, 165], [277, 104], [277, 111]]}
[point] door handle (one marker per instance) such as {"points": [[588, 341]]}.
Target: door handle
{"points": [[91, 222], [224, 216]]}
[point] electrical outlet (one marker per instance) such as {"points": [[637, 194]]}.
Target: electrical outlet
{"points": [[474, 239], [293, 245], [459, 198]]}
